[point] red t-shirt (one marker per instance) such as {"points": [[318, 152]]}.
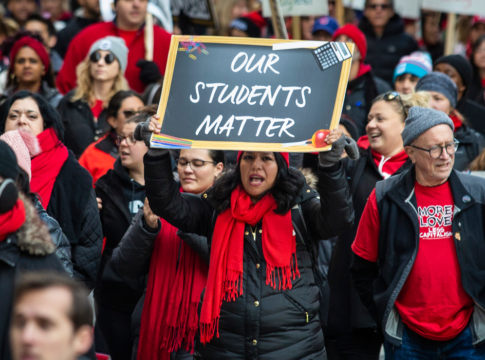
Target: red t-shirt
{"points": [[97, 108], [432, 301], [128, 36]]}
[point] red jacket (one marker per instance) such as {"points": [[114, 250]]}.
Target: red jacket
{"points": [[98, 158], [80, 44]]}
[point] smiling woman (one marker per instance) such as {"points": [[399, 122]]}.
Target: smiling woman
{"points": [[99, 77], [256, 253]]}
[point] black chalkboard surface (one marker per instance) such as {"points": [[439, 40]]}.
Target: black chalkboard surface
{"points": [[241, 94]]}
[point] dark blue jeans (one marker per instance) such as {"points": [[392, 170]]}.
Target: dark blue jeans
{"points": [[460, 348]]}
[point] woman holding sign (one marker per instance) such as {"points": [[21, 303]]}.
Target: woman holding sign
{"points": [[262, 221]]}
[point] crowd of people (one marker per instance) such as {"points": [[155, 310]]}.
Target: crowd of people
{"points": [[373, 247]]}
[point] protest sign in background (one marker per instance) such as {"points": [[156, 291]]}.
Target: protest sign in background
{"points": [[465, 7], [250, 94], [199, 11], [298, 7], [410, 9]]}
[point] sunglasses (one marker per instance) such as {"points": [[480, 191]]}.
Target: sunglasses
{"points": [[393, 95], [96, 56], [376, 6], [129, 113]]}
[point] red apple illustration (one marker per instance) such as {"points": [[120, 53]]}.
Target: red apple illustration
{"points": [[318, 139]]}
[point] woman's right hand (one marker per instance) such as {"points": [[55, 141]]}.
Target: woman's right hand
{"points": [[150, 218]]}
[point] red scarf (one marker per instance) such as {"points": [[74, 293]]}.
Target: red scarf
{"points": [[225, 280], [363, 142], [363, 69], [11, 221], [456, 121], [46, 165], [169, 317], [388, 166]]}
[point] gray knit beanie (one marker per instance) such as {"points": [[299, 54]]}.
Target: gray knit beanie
{"points": [[441, 83], [421, 119], [116, 46]]}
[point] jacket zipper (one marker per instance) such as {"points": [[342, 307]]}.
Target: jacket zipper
{"points": [[297, 305]]}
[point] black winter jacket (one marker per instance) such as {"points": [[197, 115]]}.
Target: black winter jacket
{"points": [[80, 128], [379, 284], [263, 323], [112, 290], [29, 249], [357, 102], [63, 247], [73, 204], [471, 145], [384, 53], [50, 94], [347, 313]]}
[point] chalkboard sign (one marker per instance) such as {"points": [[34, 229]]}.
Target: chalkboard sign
{"points": [[251, 94], [200, 12]]}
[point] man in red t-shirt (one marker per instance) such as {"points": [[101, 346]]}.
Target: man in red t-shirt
{"points": [[129, 25], [410, 263]]}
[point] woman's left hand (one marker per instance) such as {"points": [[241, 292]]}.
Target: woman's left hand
{"points": [[339, 142]]}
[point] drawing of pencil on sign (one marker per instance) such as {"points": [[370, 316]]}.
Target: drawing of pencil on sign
{"points": [[252, 94]]}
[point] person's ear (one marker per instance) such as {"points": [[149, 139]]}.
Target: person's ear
{"points": [[219, 168], [411, 154], [83, 340], [112, 121], [52, 41]]}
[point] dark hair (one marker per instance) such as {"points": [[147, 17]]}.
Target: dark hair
{"points": [[390, 2], [475, 47], [138, 118], [116, 101], [6, 48], [23, 182], [80, 312], [50, 26], [218, 156], [49, 114], [285, 191]]}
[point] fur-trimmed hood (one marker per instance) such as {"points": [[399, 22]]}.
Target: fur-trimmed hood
{"points": [[310, 177], [33, 236]]}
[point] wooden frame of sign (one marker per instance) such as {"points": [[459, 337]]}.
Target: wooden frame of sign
{"points": [[201, 106], [213, 22]]}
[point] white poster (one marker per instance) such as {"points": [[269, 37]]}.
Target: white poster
{"points": [[465, 7], [354, 4], [298, 7]]}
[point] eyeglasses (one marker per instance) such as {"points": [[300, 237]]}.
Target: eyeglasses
{"points": [[194, 163], [391, 96], [436, 151], [130, 140], [129, 113], [382, 6], [96, 56]]}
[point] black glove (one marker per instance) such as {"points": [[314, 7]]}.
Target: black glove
{"points": [[328, 158], [150, 73], [142, 133]]}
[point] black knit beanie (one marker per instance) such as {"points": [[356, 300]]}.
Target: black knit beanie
{"points": [[9, 168], [246, 25], [462, 66]]}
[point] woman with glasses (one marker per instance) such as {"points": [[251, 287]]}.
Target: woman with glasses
{"points": [[30, 67], [177, 266], [351, 331], [99, 77], [443, 96], [122, 193], [100, 156]]}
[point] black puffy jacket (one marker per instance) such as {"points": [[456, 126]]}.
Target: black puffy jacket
{"points": [[80, 128], [118, 193], [29, 249], [60, 240], [383, 53], [471, 145], [263, 323]]}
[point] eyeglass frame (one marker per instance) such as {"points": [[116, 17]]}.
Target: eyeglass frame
{"points": [[196, 167], [395, 94], [455, 142], [135, 112], [120, 138]]}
